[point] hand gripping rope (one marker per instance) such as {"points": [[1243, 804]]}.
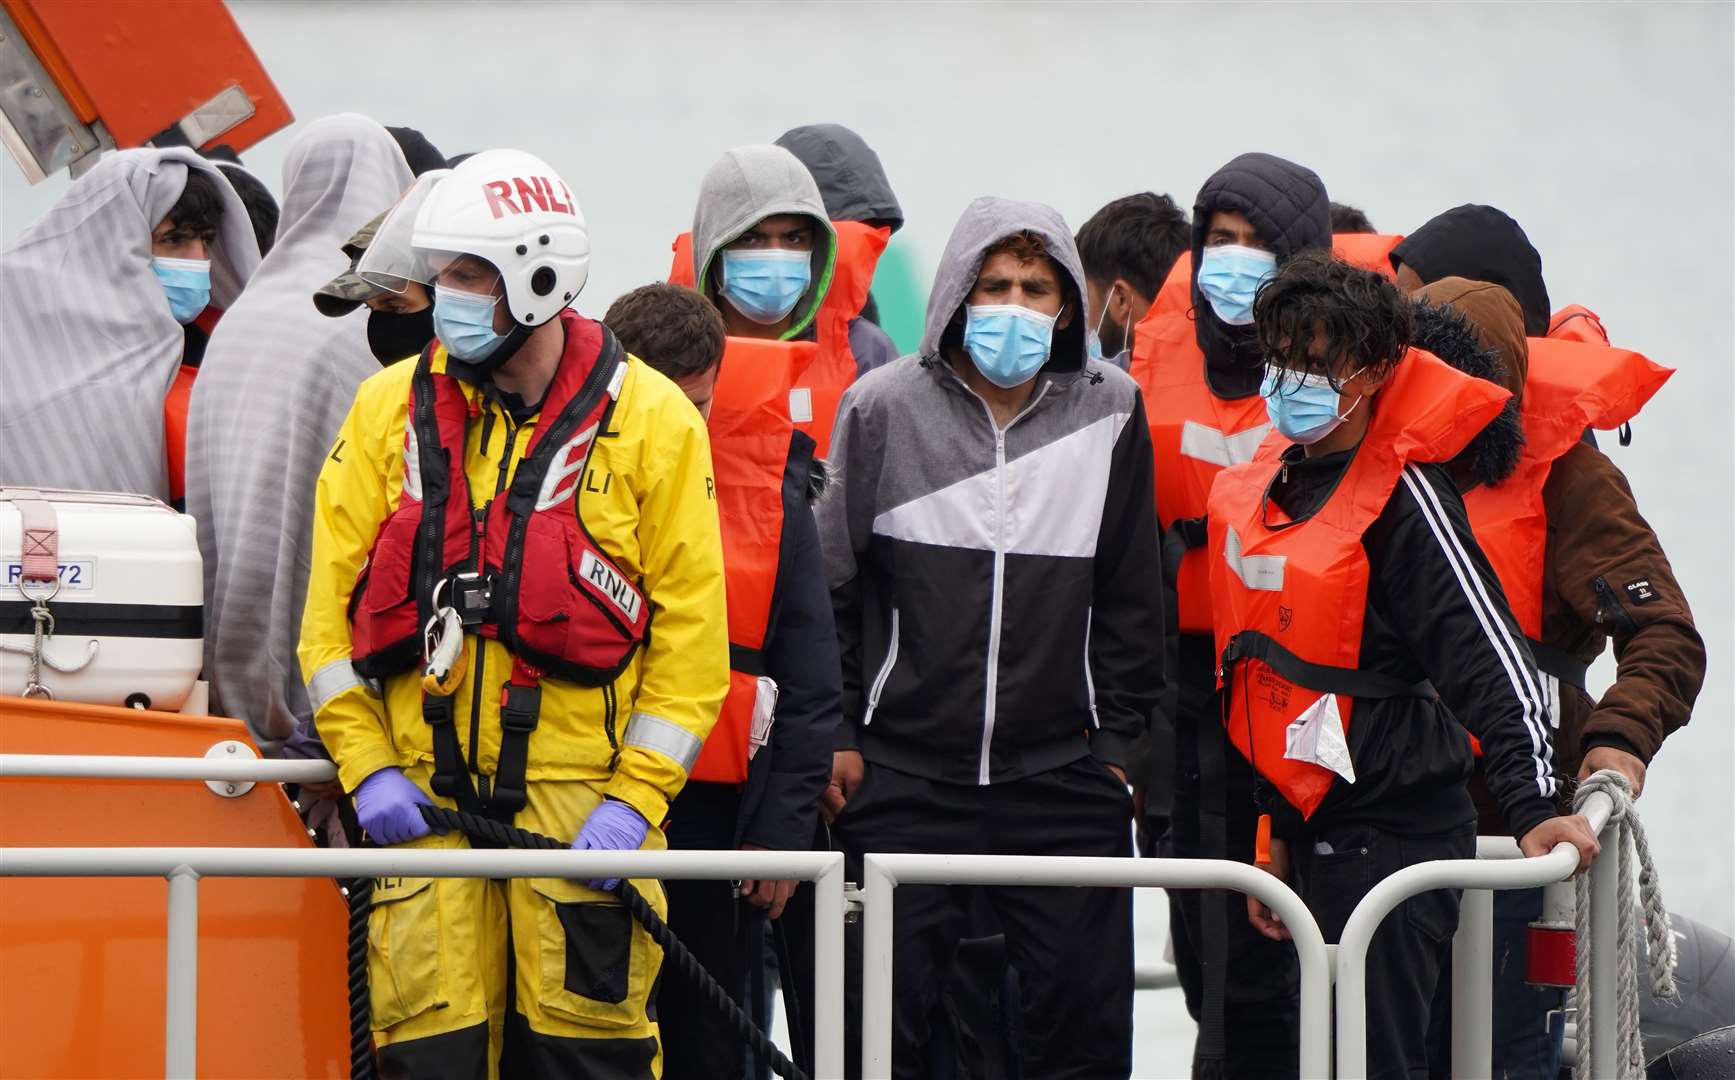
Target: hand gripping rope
{"points": [[1628, 837], [498, 834]]}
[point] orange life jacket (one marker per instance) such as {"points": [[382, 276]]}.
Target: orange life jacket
{"points": [[1370, 251], [751, 436], [175, 404], [817, 390], [1290, 597], [1570, 386], [1194, 435], [1577, 323]]}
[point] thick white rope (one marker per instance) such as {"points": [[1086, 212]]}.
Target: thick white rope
{"points": [[1627, 836]]}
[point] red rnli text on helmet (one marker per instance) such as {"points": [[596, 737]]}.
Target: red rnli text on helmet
{"points": [[534, 191]]}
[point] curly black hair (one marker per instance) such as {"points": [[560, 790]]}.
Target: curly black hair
{"points": [[199, 210], [670, 327], [1322, 316]]}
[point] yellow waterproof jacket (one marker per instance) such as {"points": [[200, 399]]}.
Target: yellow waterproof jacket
{"points": [[648, 500]]}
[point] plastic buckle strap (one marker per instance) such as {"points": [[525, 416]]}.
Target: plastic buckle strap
{"points": [[439, 713], [520, 708]]}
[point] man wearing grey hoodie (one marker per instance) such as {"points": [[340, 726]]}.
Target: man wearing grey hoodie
{"points": [[993, 558]]}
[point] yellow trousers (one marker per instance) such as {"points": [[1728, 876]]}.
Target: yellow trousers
{"points": [[585, 970]]}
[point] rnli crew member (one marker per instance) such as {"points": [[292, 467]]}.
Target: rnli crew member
{"points": [[758, 780], [763, 250], [161, 237], [1556, 518], [1361, 632], [1198, 364], [499, 526], [853, 183], [997, 580]]}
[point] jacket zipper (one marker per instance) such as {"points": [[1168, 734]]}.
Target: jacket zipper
{"points": [[479, 536], [991, 686], [1609, 609], [884, 673]]}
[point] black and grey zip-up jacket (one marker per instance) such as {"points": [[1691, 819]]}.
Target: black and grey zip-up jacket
{"points": [[998, 591]]}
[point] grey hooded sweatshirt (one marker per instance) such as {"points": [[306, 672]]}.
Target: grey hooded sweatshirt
{"points": [[277, 381], [998, 591], [748, 185]]}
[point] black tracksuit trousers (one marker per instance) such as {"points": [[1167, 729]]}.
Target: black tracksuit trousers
{"points": [[1333, 868], [1072, 947]]}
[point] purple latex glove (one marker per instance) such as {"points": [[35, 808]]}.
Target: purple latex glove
{"points": [[612, 826], [386, 805]]}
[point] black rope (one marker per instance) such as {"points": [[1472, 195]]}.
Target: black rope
{"points": [[361, 1036], [497, 834]]}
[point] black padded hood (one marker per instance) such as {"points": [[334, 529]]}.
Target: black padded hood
{"points": [[849, 174], [1482, 244], [1289, 209]]}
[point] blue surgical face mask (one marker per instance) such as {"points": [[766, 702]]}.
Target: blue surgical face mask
{"points": [[1230, 276], [187, 283], [1304, 411], [1093, 343], [765, 284], [1008, 342], [464, 323]]}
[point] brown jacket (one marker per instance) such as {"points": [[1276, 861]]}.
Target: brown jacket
{"points": [[1605, 576]]}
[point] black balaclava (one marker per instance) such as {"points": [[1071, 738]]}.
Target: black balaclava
{"points": [[1482, 244], [1288, 207]]}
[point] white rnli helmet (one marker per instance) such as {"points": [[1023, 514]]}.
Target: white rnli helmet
{"points": [[509, 208]]}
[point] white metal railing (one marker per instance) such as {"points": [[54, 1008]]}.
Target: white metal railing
{"points": [[183, 867], [882, 874], [1498, 867], [1472, 949]]}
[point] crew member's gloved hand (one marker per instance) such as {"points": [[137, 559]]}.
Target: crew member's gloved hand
{"points": [[387, 806], [612, 826]]}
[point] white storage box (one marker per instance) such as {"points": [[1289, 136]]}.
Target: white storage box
{"points": [[129, 612]]}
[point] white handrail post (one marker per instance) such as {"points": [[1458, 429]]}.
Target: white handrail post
{"points": [[1351, 956], [181, 1031], [829, 973], [1604, 943], [878, 885], [1473, 986]]}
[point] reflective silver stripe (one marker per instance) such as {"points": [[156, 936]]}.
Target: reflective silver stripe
{"points": [[1255, 571], [412, 463], [666, 737], [1207, 444], [332, 680]]}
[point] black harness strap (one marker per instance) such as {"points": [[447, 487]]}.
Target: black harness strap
{"points": [[1569, 669], [518, 715], [1354, 682]]}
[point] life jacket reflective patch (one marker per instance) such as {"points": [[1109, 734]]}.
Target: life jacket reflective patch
{"points": [[568, 464], [1569, 386], [752, 442], [1194, 435], [819, 384], [1211, 446], [552, 596], [1292, 595]]}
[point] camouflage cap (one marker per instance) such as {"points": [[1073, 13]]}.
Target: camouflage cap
{"points": [[348, 290]]}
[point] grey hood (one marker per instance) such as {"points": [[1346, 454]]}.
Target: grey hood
{"points": [[749, 184], [88, 348], [849, 174], [985, 222]]}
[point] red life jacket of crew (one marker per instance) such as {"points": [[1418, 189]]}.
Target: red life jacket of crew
{"points": [[1290, 596], [751, 444], [541, 585], [1577, 323], [175, 404], [814, 397], [1194, 435], [1569, 386]]}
